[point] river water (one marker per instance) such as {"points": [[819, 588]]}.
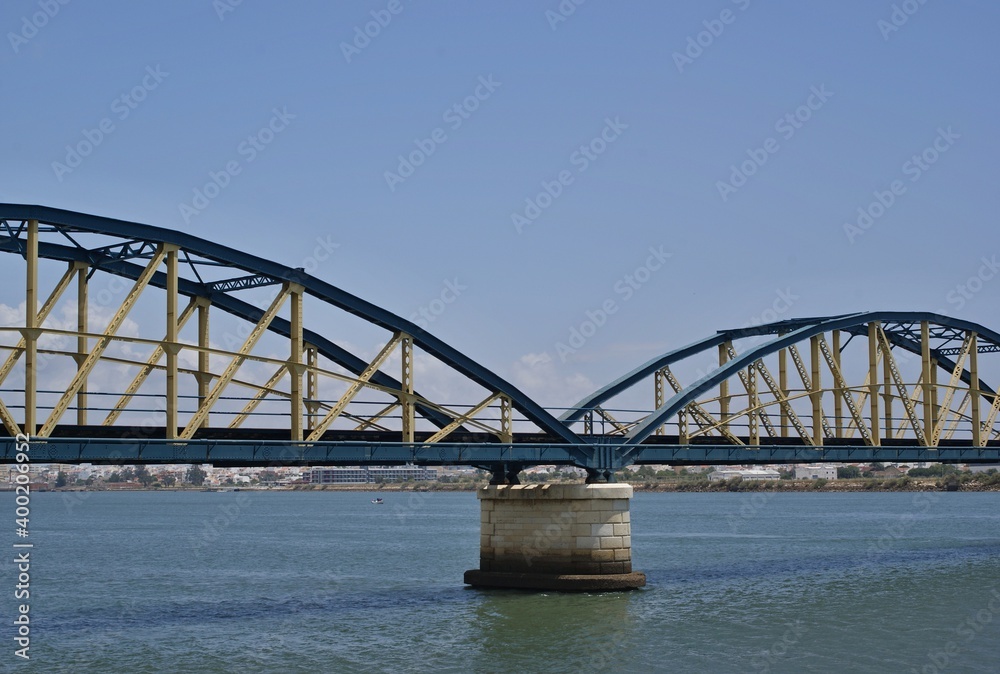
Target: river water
{"points": [[329, 582]]}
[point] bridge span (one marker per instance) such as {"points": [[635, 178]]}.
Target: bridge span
{"points": [[140, 344], [209, 372]]}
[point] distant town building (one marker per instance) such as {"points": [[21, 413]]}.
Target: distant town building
{"points": [[368, 475], [817, 472], [745, 473]]}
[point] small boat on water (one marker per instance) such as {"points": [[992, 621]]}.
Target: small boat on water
{"points": [[377, 501]]}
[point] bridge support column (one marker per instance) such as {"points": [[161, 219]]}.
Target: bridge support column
{"points": [[556, 537]]}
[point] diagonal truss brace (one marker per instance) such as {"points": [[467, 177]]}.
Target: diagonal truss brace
{"points": [[800, 367], [254, 402], [102, 342], [897, 379], [783, 401], [458, 421], [8, 421], [915, 397], [372, 422], [958, 416], [750, 388], [356, 386], [146, 370], [43, 313], [701, 416], [203, 411], [950, 392], [992, 417], [618, 426], [841, 384], [864, 393]]}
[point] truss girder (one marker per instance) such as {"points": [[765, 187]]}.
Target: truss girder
{"points": [[325, 292], [787, 335], [315, 287]]}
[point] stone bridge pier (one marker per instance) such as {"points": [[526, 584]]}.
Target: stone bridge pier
{"points": [[574, 537]]}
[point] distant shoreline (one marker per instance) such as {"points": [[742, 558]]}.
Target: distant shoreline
{"points": [[701, 486]]}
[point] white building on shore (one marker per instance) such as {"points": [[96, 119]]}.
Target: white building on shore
{"points": [[822, 471], [745, 473]]}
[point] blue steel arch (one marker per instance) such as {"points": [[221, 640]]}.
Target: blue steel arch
{"points": [[80, 222], [789, 332]]}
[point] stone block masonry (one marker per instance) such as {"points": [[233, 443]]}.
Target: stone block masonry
{"points": [[556, 537]]}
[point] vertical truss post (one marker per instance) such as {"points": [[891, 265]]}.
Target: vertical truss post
{"points": [[752, 405], [873, 382], [838, 392], [170, 344], [887, 389], [724, 388], [82, 347], [682, 426], [506, 423], [658, 397], [31, 330], [295, 366], [816, 394], [588, 423], [925, 363], [406, 361], [204, 375], [977, 429], [312, 384], [783, 385]]}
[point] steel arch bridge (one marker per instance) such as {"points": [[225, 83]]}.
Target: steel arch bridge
{"points": [[90, 385]]}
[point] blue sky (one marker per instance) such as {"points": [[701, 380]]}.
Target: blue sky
{"points": [[634, 115]]}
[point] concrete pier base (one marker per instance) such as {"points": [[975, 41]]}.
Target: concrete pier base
{"points": [[574, 537]]}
